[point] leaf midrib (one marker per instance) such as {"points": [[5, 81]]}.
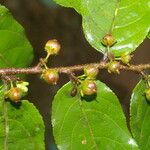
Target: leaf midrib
{"points": [[88, 123], [115, 15]]}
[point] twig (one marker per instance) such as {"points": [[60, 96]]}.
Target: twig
{"points": [[102, 65]]}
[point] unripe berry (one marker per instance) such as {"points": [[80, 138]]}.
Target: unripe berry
{"points": [[51, 76], [108, 40], [52, 47], [88, 87], [147, 94], [126, 58], [113, 67], [15, 94], [91, 72]]}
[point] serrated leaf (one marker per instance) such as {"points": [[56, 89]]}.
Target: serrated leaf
{"points": [[15, 49], [140, 116], [97, 123], [127, 20], [21, 127]]}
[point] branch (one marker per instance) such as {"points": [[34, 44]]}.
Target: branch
{"points": [[102, 65]]}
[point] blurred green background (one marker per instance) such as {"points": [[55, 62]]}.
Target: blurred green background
{"points": [[44, 20]]}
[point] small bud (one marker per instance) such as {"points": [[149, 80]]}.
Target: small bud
{"points": [[126, 58], [108, 40], [91, 72], [147, 94], [74, 92], [22, 85], [88, 87], [52, 47], [113, 67], [15, 94], [51, 76]]}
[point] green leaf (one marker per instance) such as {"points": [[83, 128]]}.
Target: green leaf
{"points": [[77, 4], [140, 116], [96, 123], [127, 20], [15, 49], [21, 127]]}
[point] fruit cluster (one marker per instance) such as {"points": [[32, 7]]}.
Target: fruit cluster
{"points": [[86, 84], [113, 66]]}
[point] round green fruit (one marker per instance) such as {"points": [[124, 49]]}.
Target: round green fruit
{"points": [[88, 87], [15, 94], [113, 67], [126, 58], [52, 47], [91, 72], [50, 76], [108, 40]]}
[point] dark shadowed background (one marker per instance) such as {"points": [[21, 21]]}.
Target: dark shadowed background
{"points": [[44, 20]]}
